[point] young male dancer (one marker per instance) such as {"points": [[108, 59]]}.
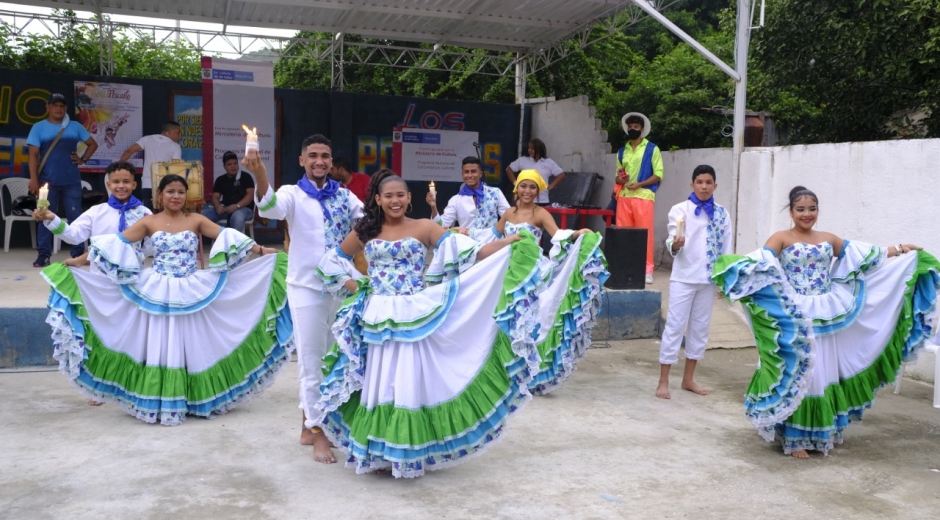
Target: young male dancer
{"points": [[707, 235], [320, 214]]}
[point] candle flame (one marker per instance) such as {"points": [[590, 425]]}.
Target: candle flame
{"points": [[251, 131]]}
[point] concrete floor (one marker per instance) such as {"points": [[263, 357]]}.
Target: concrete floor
{"points": [[601, 447]]}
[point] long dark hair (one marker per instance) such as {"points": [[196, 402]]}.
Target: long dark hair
{"points": [[370, 225]]}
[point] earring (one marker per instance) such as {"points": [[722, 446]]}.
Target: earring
{"points": [[410, 207]]}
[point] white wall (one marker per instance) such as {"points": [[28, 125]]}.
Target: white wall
{"points": [[878, 192]]}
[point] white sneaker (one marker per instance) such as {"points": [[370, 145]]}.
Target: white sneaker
{"points": [[649, 279]]}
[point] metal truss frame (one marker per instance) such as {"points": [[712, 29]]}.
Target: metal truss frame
{"points": [[339, 51]]}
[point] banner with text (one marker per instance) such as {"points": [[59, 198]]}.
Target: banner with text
{"points": [[420, 154], [236, 93], [113, 114]]}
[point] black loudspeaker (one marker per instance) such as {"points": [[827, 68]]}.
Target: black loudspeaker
{"points": [[625, 249], [574, 190]]}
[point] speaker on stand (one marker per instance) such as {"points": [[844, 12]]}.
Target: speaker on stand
{"points": [[625, 249]]}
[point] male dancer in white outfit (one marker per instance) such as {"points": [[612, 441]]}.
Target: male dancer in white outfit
{"points": [[475, 206], [320, 214], [707, 235]]}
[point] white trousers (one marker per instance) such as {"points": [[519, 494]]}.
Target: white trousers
{"points": [[313, 312], [690, 311]]}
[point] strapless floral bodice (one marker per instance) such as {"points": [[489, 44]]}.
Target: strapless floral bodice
{"points": [[174, 254], [396, 267], [513, 229], [806, 267]]}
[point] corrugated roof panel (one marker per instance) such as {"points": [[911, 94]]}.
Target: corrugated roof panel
{"points": [[500, 24]]}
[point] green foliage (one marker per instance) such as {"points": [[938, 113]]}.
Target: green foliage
{"points": [[827, 70], [831, 70], [78, 52]]}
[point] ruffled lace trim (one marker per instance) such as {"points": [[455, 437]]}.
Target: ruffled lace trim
{"points": [[455, 254], [230, 249], [115, 257], [577, 323]]}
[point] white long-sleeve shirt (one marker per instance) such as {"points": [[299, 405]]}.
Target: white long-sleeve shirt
{"points": [[100, 219], [705, 240], [462, 210], [310, 233]]}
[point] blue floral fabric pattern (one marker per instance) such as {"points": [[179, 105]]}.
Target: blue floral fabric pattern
{"points": [[488, 210], [339, 225], [806, 267], [174, 254], [714, 242], [396, 267], [513, 229]]}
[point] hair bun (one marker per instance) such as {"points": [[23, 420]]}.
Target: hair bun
{"points": [[797, 189]]}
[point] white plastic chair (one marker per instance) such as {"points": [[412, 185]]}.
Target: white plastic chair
{"points": [[16, 187], [933, 349], [86, 186]]}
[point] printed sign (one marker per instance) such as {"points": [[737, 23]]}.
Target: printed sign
{"points": [[431, 155], [113, 114]]}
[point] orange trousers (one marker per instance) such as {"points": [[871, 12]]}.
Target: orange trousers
{"points": [[639, 213]]}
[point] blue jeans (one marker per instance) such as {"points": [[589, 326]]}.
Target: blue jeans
{"points": [[70, 195], [236, 220]]}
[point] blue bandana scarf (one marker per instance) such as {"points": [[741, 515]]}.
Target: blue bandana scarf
{"points": [[707, 205], [328, 190], [477, 193], [124, 208]]}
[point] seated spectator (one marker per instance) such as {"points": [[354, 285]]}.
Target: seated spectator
{"points": [[232, 195]]}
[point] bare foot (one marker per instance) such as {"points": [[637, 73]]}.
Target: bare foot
{"points": [[694, 387], [92, 402], [322, 449], [799, 454], [306, 437], [662, 391]]}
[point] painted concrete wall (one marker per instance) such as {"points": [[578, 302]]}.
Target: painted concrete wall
{"points": [[878, 192]]}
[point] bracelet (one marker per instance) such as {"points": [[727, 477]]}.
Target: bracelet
{"points": [[899, 250]]}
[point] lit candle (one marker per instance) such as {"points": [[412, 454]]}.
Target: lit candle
{"points": [[680, 227], [432, 190], [43, 201], [251, 135]]}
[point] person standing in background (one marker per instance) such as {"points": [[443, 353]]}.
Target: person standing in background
{"points": [[52, 161], [639, 172], [537, 160], [162, 147]]}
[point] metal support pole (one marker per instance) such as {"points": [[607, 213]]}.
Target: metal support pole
{"points": [[742, 43], [646, 6], [520, 97]]}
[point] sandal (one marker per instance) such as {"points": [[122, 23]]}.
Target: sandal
{"points": [[41, 261]]}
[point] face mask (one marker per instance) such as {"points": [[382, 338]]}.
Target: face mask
{"points": [[633, 134]]}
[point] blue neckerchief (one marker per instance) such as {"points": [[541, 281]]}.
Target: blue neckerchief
{"points": [[477, 193], [707, 205], [123, 208], [328, 190]]}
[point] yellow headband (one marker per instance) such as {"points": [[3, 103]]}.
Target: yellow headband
{"points": [[530, 175]]}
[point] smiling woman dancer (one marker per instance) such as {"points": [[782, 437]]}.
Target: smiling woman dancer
{"points": [[170, 341], [422, 378], [574, 272], [833, 321]]}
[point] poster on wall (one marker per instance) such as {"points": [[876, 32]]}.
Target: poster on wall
{"points": [[236, 93], [187, 111], [113, 114], [420, 154]]}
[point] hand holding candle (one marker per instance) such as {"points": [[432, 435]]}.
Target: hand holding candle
{"points": [[43, 203], [251, 136], [680, 227], [432, 190]]}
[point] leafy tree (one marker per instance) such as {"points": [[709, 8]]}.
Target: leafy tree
{"points": [[834, 71], [77, 52]]}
